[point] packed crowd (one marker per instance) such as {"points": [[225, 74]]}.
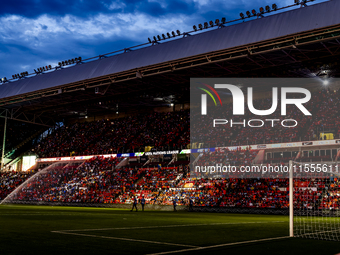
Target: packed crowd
{"points": [[162, 131], [87, 182], [11, 180], [324, 107], [224, 156], [99, 180]]}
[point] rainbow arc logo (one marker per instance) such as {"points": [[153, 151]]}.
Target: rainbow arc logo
{"points": [[209, 93], [204, 97]]}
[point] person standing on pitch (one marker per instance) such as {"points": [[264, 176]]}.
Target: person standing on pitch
{"points": [[135, 201], [142, 202], [174, 202], [191, 203]]}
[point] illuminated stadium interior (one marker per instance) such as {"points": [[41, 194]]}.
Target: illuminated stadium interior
{"points": [[100, 136]]}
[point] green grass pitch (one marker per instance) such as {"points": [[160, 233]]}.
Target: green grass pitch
{"points": [[72, 230]]}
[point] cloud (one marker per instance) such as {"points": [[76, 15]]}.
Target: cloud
{"points": [[49, 39], [116, 5], [35, 32]]}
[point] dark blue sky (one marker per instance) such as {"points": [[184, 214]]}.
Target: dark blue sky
{"points": [[36, 33]]}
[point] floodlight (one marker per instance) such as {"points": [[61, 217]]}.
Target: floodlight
{"points": [[261, 10], [242, 15], [223, 20], [149, 40], [194, 27], [211, 23], [159, 38], [178, 32], [173, 33], [248, 13], [206, 25], [163, 35], [267, 8], [154, 38], [200, 26], [296, 1], [168, 34], [253, 12], [217, 21], [274, 7]]}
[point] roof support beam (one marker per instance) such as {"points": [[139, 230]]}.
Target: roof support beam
{"points": [[28, 118]]}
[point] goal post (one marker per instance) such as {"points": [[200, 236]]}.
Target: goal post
{"points": [[291, 199], [314, 200]]}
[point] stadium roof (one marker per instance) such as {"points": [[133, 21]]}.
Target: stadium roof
{"points": [[162, 65], [274, 26]]}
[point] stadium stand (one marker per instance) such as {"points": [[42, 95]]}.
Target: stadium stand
{"points": [[166, 131], [325, 118], [11, 180], [161, 131], [99, 180]]}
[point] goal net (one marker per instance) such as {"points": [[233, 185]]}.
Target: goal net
{"points": [[316, 200]]}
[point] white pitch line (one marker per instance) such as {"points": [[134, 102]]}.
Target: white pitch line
{"points": [[170, 226], [62, 214], [220, 245], [125, 239], [36, 214]]}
